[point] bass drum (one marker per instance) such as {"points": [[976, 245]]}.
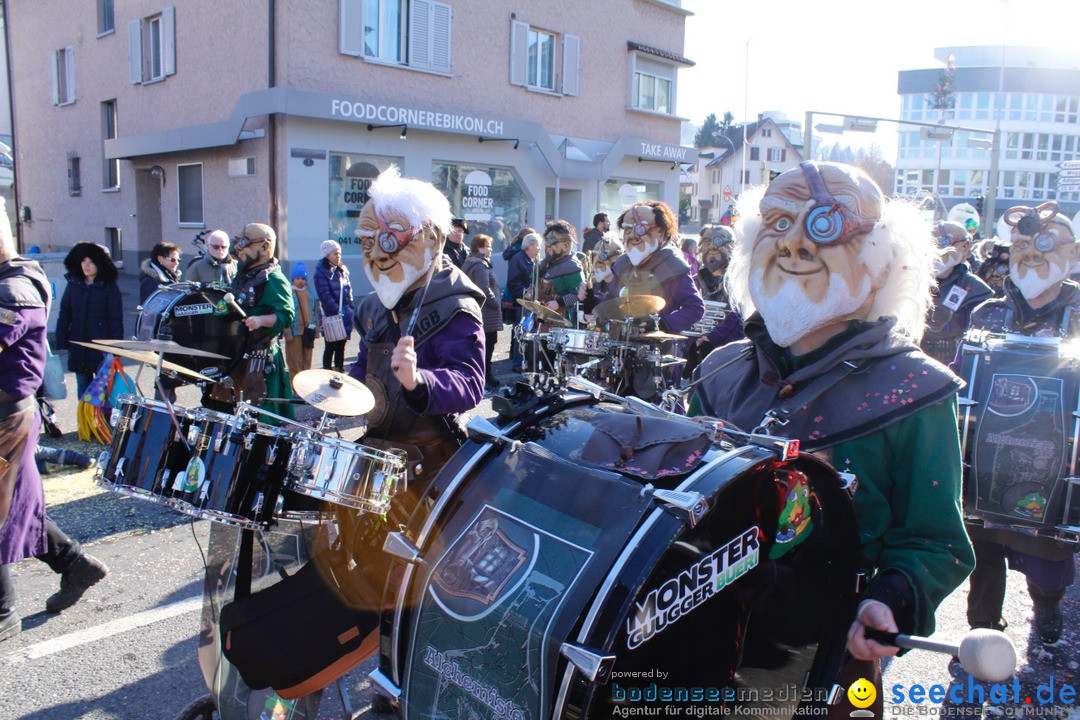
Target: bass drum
{"points": [[535, 583], [194, 316]]}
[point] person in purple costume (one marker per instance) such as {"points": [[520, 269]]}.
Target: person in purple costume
{"points": [[653, 265], [425, 372], [25, 529]]}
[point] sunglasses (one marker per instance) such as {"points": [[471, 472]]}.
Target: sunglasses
{"points": [[219, 247], [830, 221], [244, 242]]}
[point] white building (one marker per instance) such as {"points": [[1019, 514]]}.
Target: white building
{"points": [[137, 122], [1038, 106]]}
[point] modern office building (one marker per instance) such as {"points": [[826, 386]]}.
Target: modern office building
{"points": [[137, 122], [1034, 93]]}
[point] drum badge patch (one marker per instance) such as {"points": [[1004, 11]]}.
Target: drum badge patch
{"points": [[480, 563]]}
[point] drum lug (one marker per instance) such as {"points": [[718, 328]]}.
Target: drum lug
{"points": [[862, 581], [848, 483], [595, 667], [835, 693], [691, 505], [482, 429], [399, 546], [968, 402], [383, 684]]}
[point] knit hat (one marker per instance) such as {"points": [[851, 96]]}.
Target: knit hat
{"points": [[328, 247], [299, 270]]}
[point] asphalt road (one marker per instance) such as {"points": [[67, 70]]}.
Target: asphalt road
{"points": [[128, 650]]}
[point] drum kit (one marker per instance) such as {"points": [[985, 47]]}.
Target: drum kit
{"points": [[625, 351]]}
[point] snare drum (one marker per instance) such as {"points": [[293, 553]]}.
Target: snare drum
{"points": [[560, 587], [578, 342], [346, 473], [236, 470], [194, 316], [147, 450]]}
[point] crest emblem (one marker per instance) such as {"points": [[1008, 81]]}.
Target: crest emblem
{"points": [[481, 562]]}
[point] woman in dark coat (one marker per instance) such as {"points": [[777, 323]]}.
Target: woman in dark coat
{"points": [[90, 309], [478, 267], [331, 285]]}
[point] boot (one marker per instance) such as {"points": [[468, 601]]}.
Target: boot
{"points": [[83, 574], [1048, 621], [10, 625]]}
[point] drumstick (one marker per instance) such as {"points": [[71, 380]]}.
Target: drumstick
{"points": [[986, 654], [230, 302]]}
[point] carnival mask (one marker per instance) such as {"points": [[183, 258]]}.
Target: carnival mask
{"points": [[805, 269], [604, 254], [1043, 249], [954, 245], [396, 254], [255, 246], [641, 234]]}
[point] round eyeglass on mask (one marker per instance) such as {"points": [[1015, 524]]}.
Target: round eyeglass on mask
{"points": [[391, 240], [830, 221]]}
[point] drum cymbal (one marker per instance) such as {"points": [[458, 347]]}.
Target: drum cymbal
{"points": [[543, 312], [147, 358], [333, 392], [161, 346], [630, 306], [661, 335]]}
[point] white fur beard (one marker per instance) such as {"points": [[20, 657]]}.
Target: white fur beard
{"points": [[389, 291], [639, 256], [602, 274], [790, 315], [1032, 286]]}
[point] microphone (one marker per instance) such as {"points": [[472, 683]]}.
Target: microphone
{"points": [[230, 302], [986, 654]]}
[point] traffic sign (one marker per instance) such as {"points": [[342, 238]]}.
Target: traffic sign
{"points": [[1069, 173], [1069, 165], [727, 193], [1068, 188]]}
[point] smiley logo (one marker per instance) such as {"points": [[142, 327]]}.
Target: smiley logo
{"points": [[861, 694]]}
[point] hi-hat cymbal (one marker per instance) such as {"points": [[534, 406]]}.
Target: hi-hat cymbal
{"points": [[147, 358], [333, 392], [630, 306], [162, 346], [543, 312]]}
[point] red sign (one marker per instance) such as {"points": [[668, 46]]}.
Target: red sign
{"points": [[727, 193]]}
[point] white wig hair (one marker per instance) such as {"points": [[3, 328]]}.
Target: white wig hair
{"points": [[416, 200], [899, 254]]}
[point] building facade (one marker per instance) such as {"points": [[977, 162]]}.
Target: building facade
{"points": [[720, 174], [1035, 95], [137, 122]]}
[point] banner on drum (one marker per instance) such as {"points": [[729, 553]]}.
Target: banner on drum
{"points": [[678, 596]]}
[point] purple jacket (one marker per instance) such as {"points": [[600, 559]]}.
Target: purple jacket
{"points": [[683, 305], [451, 363], [728, 330]]}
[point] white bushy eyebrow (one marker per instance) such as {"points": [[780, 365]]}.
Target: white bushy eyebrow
{"points": [[775, 203]]}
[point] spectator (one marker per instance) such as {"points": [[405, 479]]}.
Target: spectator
{"points": [[519, 279], [217, 266], [300, 338], [454, 248], [689, 253], [478, 267], [161, 268], [601, 225], [515, 247], [90, 309], [335, 298]]}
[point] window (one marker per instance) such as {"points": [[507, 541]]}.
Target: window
{"points": [[489, 196], [350, 177], [241, 167], [189, 194], [110, 168], [408, 33], [113, 241], [654, 86], [152, 51], [74, 176], [537, 56], [777, 154], [766, 132], [106, 22], [746, 177], [755, 153], [63, 76]]}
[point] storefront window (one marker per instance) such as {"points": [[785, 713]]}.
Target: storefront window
{"points": [[350, 177], [618, 194], [490, 198]]}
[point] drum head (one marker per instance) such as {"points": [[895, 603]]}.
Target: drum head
{"points": [[194, 318]]}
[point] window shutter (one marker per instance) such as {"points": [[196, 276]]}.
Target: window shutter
{"points": [[69, 71], [440, 36], [420, 33], [168, 41], [135, 51], [571, 60], [519, 52], [351, 28], [54, 73]]}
